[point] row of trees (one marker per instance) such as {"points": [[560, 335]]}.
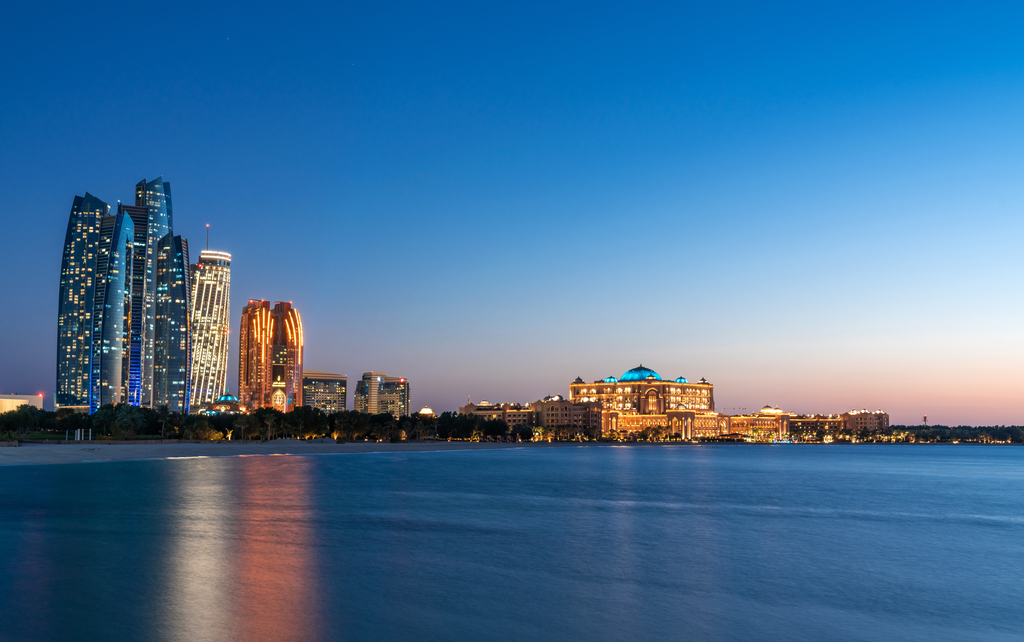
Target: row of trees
{"points": [[130, 422], [924, 434]]}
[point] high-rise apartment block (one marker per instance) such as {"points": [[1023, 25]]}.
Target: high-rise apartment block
{"points": [[210, 310], [270, 356], [123, 318], [324, 390], [94, 306], [377, 393]]}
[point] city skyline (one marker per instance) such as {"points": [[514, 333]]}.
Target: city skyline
{"points": [[813, 209]]}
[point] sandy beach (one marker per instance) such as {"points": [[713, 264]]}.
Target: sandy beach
{"points": [[96, 451]]}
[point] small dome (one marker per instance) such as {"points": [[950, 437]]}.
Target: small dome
{"points": [[426, 410], [610, 379], [226, 398], [579, 380], [681, 380], [640, 373]]}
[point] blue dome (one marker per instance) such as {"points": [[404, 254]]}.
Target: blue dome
{"points": [[610, 379], [682, 380], [639, 373]]}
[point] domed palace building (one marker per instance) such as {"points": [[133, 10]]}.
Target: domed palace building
{"points": [[641, 399]]}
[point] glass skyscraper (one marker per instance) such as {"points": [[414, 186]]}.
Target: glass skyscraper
{"points": [[123, 318], [172, 344], [210, 310], [94, 310], [153, 218]]}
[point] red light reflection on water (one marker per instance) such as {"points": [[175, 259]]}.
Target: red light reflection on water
{"points": [[276, 596]]}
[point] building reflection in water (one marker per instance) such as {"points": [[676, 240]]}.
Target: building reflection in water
{"points": [[277, 592], [243, 552]]}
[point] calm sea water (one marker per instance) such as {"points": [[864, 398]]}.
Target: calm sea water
{"points": [[590, 543]]}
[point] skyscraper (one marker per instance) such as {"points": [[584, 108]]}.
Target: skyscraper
{"points": [[172, 379], [270, 356], [153, 218], [210, 309], [94, 311], [378, 393]]}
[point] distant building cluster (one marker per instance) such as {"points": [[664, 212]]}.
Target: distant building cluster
{"points": [[138, 323], [642, 402]]}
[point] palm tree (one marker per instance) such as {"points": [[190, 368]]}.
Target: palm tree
{"points": [[163, 415]]}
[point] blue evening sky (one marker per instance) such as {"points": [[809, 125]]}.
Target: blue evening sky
{"points": [[814, 205]]}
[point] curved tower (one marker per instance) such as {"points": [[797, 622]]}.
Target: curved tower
{"points": [[94, 311], [270, 347]]}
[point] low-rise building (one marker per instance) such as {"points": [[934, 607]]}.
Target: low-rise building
{"points": [[513, 414], [13, 402], [767, 424], [226, 404], [556, 411], [813, 427], [866, 420]]}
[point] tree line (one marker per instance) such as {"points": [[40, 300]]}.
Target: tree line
{"points": [[123, 421]]}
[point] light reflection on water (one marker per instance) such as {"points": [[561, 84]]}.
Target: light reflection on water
{"points": [[730, 543]]}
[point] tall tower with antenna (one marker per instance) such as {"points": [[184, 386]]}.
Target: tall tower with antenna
{"points": [[211, 307]]}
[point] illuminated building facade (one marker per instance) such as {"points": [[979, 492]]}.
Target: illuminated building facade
{"points": [[377, 393], [270, 356], [94, 306], [326, 391], [172, 381], [640, 400], [558, 412], [813, 427], [153, 218], [13, 402], [210, 318], [866, 420], [767, 424], [512, 414], [225, 404]]}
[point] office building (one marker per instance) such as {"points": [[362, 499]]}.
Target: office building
{"points": [[270, 356], [326, 391], [172, 344], [94, 306], [377, 393], [210, 309]]}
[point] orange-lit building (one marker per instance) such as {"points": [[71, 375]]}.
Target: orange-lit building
{"points": [[640, 399], [270, 356]]}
